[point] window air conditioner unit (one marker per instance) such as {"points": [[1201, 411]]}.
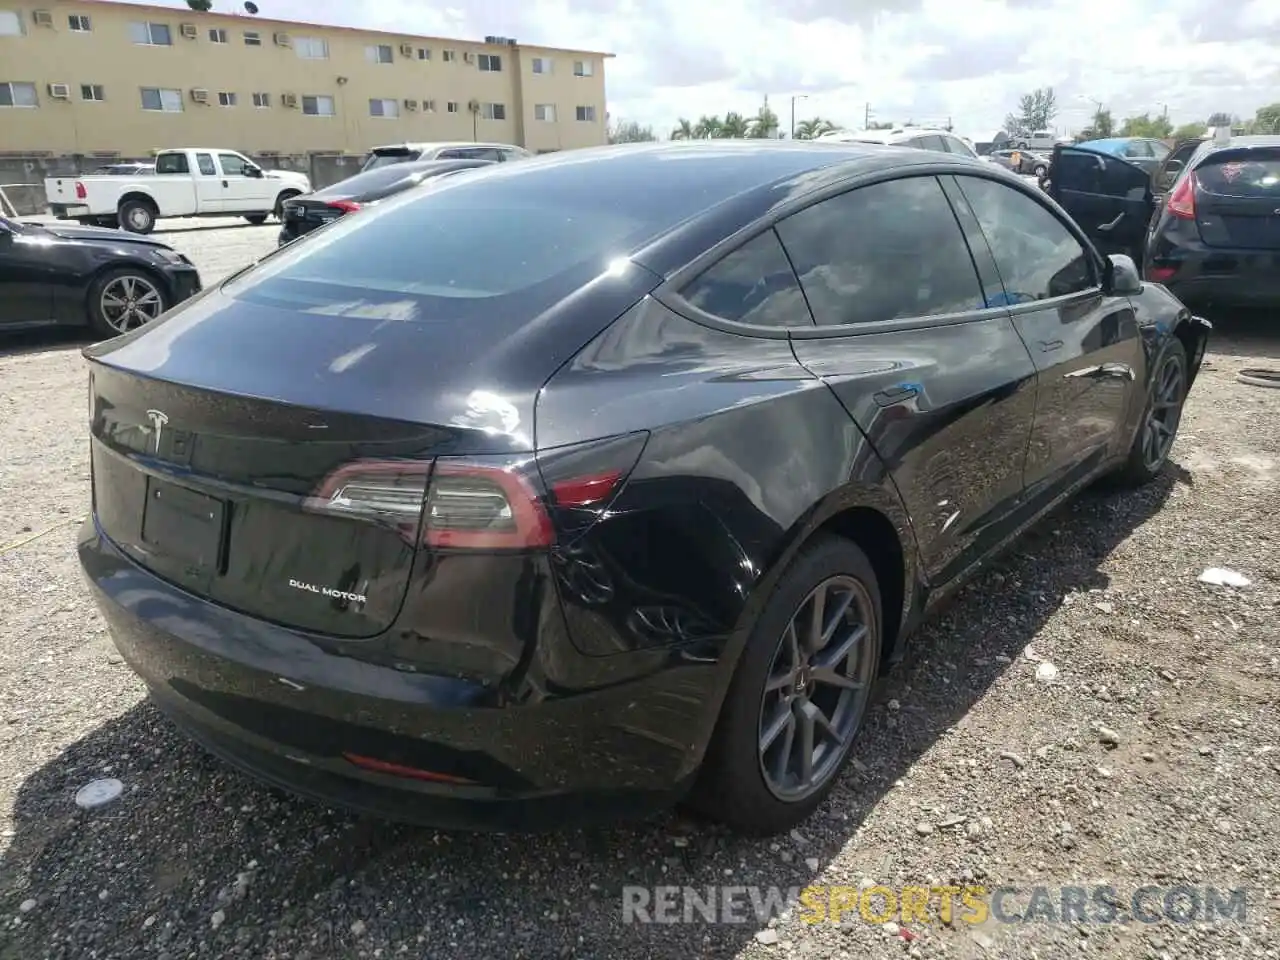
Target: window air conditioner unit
{"points": [[469, 57], [199, 95], [60, 91], [406, 49], [188, 30], [289, 100], [43, 18], [411, 104], [281, 39]]}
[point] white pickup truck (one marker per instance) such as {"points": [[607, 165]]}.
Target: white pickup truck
{"points": [[192, 182]]}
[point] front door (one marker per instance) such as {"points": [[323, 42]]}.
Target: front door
{"points": [[241, 192], [26, 289], [1084, 342], [932, 372], [1109, 198]]}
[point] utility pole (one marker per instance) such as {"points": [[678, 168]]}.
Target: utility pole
{"points": [[798, 96], [866, 118]]}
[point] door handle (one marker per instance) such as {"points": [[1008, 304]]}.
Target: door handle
{"points": [[1104, 371], [1108, 227], [1048, 346], [224, 183], [896, 394]]}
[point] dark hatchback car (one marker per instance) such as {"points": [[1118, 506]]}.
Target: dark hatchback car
{"points": [[1206, 223], [546, 495], [303, 214], [67, 275]]}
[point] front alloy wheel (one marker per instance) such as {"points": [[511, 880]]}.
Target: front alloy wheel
{"points": [[1164, 414], [816, 690]]}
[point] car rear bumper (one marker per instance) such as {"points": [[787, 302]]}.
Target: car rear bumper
{"points": [[184, 283], [1215, 274], [292, 710], [69, 211]]}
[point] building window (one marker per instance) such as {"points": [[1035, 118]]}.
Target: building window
{"points": [[584, 68], [490, 63], [545, 112], [450, 56], [92, 91], [79, 23], [217, 35], [429, 106], [384, 108], [541, 65], [17, 94], [378, 53], [226, 99], [312, 48], [151, 34], [493, 111], [252, 38], [424, 53], [586, 114], [10, 24], [262, 99], [453, 106], [317, 106], [164, 101]]}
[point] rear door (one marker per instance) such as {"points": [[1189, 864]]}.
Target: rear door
{"points": [[1083, 341], [209, 189], [1238, 198], [937, 379], [1109, 198]]}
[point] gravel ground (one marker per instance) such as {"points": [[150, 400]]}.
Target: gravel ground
{"points": [[1087, 712]]}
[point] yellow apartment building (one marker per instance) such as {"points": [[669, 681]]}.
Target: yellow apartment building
{"points": [[95, 77]]}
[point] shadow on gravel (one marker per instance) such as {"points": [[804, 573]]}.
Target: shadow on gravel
{"points": [[1251, 333], [195, 860], [43, 340], [215, 223]]}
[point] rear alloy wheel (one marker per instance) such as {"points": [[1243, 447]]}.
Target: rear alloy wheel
{"points": [[1160, 418], [123, 300], [137, 217], [799, 694]]}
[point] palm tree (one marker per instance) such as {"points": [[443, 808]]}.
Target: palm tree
{"points": [[683, 131], [735, 126], [707, 128], [813, 128], [765, 123]]}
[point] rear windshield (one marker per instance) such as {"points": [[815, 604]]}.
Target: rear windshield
{"points": [[385, 158], [368, 180], [1255, 174]]}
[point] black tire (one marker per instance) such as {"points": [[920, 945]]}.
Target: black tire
{"points": [[282, 199], [257, 219], [1040, 170], [1140, 468], [99, 323], [137, 216], [731, 786]]}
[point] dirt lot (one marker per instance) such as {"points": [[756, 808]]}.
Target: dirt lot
{"points": [[1150, 758]]}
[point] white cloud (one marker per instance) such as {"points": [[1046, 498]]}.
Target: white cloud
{"points": [[925, 60]]}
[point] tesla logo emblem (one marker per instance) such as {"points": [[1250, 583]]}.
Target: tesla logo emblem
{"points": [[158, 420]]}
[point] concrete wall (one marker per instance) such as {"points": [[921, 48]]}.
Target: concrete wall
{"points": [[30, 172]]}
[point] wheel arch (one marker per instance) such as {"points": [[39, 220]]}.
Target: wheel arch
{"points": [[140, 196], [288, 193]]}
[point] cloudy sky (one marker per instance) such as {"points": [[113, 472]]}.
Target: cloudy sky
{"points": [[924, 60]]}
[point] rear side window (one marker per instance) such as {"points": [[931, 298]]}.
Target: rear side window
{"points": [[384, 158], [932, 142], [172, 163], [1254, 175], [205, 162], [1038, 258], [754, 284], [882, 252]]}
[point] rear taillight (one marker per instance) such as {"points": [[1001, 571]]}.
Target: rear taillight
{"points": [[483, 503], [81, 192], [346, 206], [1160, 274], [1182, 202]]}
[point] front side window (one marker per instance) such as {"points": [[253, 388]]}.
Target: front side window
{"points": [[882, 252], [754, 284], [1037, 256], [233, 165]]}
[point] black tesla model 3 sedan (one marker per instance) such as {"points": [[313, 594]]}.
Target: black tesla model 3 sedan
{"points": [[606, 478]]}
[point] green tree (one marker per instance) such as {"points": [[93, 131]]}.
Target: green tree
{"points": [[707, 128], [1189, 131], [764, 124], [1220, 119], [684, 130], [200, 6], [1144, 126], [1103, 126], [1036, 111], [1267, 119], [735, 126], [629, 131], [813, 128]]}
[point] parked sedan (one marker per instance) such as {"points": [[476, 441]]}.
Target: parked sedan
{"points": [[550, 495], [1021, 161], [61, 274], [303, 214], [1206, 223]]}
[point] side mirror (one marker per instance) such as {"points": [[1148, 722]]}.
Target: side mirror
{"points": [[1123, 277], [255, 172]]}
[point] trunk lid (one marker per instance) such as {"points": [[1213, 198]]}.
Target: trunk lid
{"points": [[302, 215], [1238, 199]]}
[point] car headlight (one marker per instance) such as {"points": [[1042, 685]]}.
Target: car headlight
{"points": [[170, 256]]}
